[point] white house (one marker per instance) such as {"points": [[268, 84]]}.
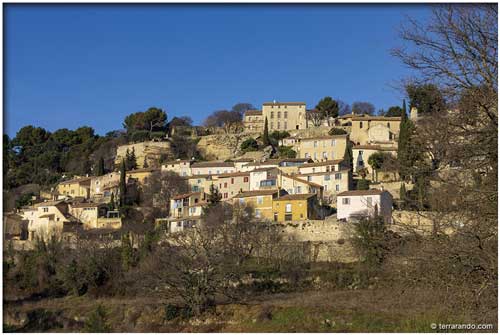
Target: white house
{"points": [[364, 203]]}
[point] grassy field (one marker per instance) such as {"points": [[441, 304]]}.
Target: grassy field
{"points": [[312, 311]]}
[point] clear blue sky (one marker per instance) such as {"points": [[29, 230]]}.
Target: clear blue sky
{"points": [[73, 65]]}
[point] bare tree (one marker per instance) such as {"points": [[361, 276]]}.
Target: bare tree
{"points": [[316, 117], [229, 120], [159, 189], [361, 107], [458, 51]]}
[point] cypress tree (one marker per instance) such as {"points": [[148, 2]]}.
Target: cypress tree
{"points": [[404, 144], [112, 205], [145, 165], [402, 194], [100, 167], [265, 135], [133, 160], [123, 184]]}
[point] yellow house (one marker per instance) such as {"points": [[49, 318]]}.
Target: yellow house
{"points": [[295, 207], [76, 187], [141, 175], [322, 148], [284, 115], [261, 201], [294, 185], [374, 130]]}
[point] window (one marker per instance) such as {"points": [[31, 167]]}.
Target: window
{"points": [[333, 143], [314, 170], [309, 178], [315, 144], [361, 124], [260, 200], [315, 156], [325, 155], [325, 187], [225, 195], [285, 114], [242, 201], [272, 115], [388, 125], [299, 190], [279, 115], [45, 209], [179, 224], [337, 187], [327, 177], [225, 185], [346, 201], [232, 180], [288, 208], [218, 171], [257, 213], [338, 176], [278, 125]]}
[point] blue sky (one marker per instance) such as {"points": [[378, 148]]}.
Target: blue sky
{"points": [[71, 65]]}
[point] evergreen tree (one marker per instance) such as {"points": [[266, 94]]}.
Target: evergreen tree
{"points": [[145, 165], [100, 167], [112, 205], [402, 195], [404, 145], [132, 164], [123, 184], [348, 158], [214, 197], [127, 252], [265, 135]]}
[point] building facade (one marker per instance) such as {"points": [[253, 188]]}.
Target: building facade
{"points": [[284, 115], [367, 203]]}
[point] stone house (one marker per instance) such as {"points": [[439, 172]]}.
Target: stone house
{"points": [[284, 115], [253, 121], [230, 184], [380, 130], [181, 167], [322, 148], [76, 187], [212, 168]]}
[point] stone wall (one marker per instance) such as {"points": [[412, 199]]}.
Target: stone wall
{"points": [[150, 150], [327, 239]]}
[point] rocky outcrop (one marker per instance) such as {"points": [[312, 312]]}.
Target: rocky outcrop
{"points": [[221, 146], [151, 151]]}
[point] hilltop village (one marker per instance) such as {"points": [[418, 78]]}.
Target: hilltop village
{"points": [[288, 164]]}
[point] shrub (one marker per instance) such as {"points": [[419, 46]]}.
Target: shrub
{"points": [[337, 131], [363, 184], [286, 152], [279, 135], [249, 145], [139, 136], [96, 323]]}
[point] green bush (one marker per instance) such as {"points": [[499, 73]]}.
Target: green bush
{"points": [[337, 131], [363, 184], [286, 152], [96, 323], [139, 136], [249, 145], [173, 312], [279, 135]]}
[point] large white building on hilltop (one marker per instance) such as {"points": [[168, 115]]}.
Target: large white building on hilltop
{"points": [[280, 116]]}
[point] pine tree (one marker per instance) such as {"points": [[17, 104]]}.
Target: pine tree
{"points": [[265, 135], [123, 184], [100, 167]]}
